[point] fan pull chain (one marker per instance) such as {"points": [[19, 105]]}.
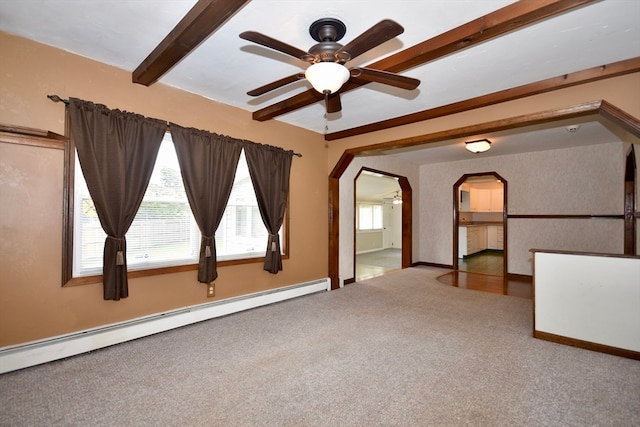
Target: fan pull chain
{"points": [[326, 108]]}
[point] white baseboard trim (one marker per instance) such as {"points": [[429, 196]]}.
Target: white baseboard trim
{"points": [[42, 351]]}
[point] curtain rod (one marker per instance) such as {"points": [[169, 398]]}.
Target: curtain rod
{"points": [[56, 98]]}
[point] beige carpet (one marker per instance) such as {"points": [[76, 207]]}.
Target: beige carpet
{"points": [[396, 350]]}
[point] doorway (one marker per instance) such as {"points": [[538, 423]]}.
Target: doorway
{"points": [[378, 223], [480, 224]]}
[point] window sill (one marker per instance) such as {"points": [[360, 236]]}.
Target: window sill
{"points": [[88, 280]]}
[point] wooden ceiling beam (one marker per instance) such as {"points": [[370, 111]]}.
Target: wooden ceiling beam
{"points": [[204, 18], [554, 83], [502, 21]]}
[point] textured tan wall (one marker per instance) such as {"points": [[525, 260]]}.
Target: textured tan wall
{"points": [[33, 305], [574, 181]]}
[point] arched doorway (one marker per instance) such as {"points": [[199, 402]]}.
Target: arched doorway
{"points": [[480, 224], [600, 110], [386, 245]]}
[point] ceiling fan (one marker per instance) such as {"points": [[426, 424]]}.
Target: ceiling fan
{"points": [[327, 72]]}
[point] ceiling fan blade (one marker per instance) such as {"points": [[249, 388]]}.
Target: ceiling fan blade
{"points": [[385, 77], [374, 36], [275, 85], [274, 44], [333, 103]]}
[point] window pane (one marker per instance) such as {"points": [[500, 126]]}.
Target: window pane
{"points": [[369, 217], [377, 216], [366, 217], [258, 230], [241, 221], [241, 233], [164, 232]]}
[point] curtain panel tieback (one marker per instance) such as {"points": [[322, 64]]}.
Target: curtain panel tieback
{"points": [[273, 242], [208, 240], [119, 246]]}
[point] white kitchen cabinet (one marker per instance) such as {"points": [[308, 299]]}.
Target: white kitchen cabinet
{"points": [[480, 200], [471, 240], [486, 200], [497, 200], [500, 238], [462, 241], [495, 237]]}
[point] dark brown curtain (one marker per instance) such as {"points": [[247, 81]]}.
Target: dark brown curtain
{"points": [[270, 168], [117, 151], [208, 163]]}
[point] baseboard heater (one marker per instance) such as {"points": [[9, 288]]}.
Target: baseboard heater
{"points": [[37, 352]]}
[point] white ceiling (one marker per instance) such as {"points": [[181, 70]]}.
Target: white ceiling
{"points": [[224, 67], [374, 187]]}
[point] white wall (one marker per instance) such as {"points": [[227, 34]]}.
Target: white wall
{"points": [[395, 226], [591, 298], [369, 241]]}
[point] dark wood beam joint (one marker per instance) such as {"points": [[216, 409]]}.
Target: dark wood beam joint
{"points": [[204, 18]]}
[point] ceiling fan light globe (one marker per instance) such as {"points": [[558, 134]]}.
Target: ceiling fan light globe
{"points": [[327, 76]]}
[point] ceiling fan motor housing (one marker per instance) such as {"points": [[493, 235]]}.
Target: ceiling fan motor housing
{"points": [[325, 52], [327, 31]]}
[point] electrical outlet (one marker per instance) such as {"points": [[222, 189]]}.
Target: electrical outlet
{"points": [[211, 290]]}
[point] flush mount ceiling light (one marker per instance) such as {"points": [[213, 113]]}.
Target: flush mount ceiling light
{"points": [[479, 146], [327, 76]]}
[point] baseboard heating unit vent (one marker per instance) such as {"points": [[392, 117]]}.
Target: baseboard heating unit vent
{"points": [[37, 352]]}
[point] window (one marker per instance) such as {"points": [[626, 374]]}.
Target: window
{"points": [[164, 232], [369, 216], [241, 232]]}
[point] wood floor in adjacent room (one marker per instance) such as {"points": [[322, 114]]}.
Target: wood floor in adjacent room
{"points": [[480, 272], [484, 272], [488, 283]]}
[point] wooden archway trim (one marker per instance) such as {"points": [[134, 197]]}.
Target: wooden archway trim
{"points": [[599, 108], [407, 221], [456, 218], [630, 174], [407, 211]]}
